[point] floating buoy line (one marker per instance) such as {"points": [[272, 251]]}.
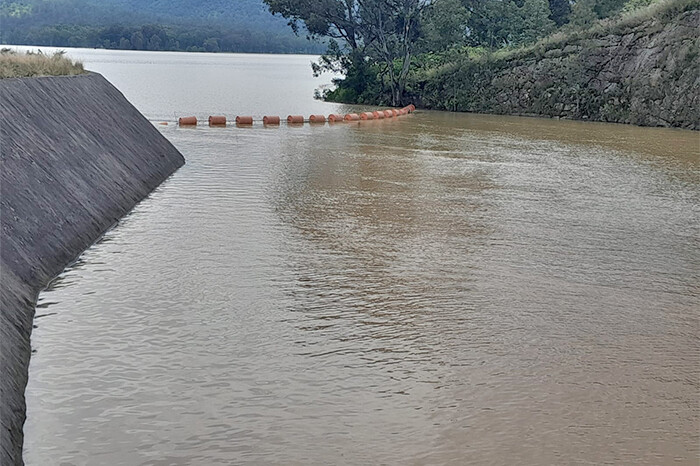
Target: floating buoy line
{"points": [[274, 120]]}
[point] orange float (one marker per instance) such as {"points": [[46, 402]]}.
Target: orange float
{"points": [[396, 112], [187, 121], [378, 115], [317, 119], [411, 108], [388, 113], [271, 120], [332, 118], [352, 117], [295, 119], [217, 121], [244, 120], [367, 116]]}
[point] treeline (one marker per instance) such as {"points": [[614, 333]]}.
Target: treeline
{"points": [[182, 25], [156, 37]]}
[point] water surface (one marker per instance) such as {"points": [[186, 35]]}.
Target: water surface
{"points": [[438, 289]]}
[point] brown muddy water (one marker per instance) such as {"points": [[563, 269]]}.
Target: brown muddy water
{"points": [[440, 289]]}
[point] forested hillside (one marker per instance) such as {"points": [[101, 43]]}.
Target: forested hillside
{"points": [[193, 25]]}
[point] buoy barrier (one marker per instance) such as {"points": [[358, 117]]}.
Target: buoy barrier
{"points": [[220, 120], [187, 121], [217, 121], [317, 119], [244, 120]]}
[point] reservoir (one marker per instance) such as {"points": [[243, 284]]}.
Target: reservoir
{"points": [[439, 288]]}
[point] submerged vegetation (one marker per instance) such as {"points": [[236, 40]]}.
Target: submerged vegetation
{"points": [[30, 64]]}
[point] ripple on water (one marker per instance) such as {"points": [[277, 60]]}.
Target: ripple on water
{"points": [[449, 289]]}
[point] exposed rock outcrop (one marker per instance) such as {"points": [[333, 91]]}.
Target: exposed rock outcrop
{"points": [[645, 74]]}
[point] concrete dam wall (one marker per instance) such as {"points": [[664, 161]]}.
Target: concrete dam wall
{"points": [[76, 157]]}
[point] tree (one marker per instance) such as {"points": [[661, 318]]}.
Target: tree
{"points": [[212, 45], [154, 42], [533, 22], [379, 30], [583, 13], [337, 19], [559, 11], [137, 40], [445, 25], [391, 28]]}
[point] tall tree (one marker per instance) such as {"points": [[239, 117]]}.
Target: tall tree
{"points": [[444, 25], [559, 11], [381, 30], [338, 19], [391, 29]]}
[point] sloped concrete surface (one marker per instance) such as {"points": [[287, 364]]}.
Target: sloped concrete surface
{"points": [[76, 156]]}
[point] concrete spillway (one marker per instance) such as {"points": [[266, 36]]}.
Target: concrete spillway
{"points": [[76, 156]]}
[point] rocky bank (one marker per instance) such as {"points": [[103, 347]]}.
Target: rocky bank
{"points": [[644, 71]]}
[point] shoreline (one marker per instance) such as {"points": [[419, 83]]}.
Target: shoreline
{"points": [[77, 157]]}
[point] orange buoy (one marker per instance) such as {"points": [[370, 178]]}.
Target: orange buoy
{"points": [[295, 119], [244, 120], [396, 112], [411, 108], [332, 118], [187, 121], [317, 119], [217, 121], [352, 117], [403, 111], [388, 113], [271, 120], [378, 115], [367, 116]]}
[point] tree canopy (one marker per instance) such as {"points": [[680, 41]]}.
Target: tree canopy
{"points": [[375, 42]]}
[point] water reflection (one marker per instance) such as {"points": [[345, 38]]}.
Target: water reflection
{"points": [[441, 289]]}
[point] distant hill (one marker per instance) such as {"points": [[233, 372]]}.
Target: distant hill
{"points": [[194, 25]]}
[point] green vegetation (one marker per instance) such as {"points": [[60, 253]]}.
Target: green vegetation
{"points": [[637, 67], [186, 25], [389, 50], [24, 65]]}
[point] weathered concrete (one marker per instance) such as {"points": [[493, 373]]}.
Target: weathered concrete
{"points": [[76, 156]]}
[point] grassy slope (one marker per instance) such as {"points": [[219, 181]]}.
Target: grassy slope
{"points": [[14, 65]]}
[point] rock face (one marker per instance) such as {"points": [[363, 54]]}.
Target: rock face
{"points": [[645, 74], [76, 157]]}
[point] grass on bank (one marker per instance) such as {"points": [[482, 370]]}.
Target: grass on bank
{"points": [[32, 64], [660, 10]]}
